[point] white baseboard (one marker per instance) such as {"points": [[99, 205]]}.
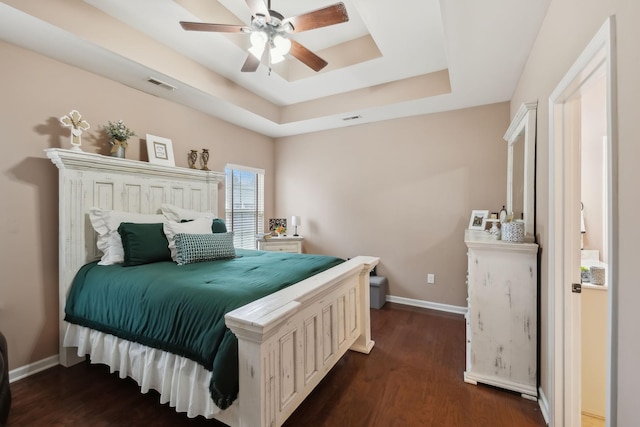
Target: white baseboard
{"points": [[428, 304], [32, 368], [544, 405]]}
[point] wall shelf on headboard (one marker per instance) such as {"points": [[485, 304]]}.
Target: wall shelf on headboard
{"points": [[81, 160]]}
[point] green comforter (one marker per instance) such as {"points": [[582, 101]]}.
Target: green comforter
{"points": [[180, 309]]}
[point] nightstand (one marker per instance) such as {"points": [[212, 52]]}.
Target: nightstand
{"points": [[281, 244]]}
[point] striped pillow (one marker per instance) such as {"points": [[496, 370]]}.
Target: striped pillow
{"points": [[192, 248]]}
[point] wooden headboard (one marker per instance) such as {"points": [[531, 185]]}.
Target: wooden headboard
{"points": [[92, 180]]}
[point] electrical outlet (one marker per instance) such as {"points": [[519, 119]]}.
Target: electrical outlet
{"points": [[431, 278]]}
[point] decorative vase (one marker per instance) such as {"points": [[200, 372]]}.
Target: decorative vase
{"points": [[193, 158], [205, 159], [597, 275], [513, 231], [117, 149], [494, 230]]}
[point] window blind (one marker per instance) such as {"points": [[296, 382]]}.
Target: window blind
{"points": [[244, 207]]}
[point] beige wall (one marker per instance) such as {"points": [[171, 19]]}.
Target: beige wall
{"points": [[567, 29], [36, 91], [402, 190]]}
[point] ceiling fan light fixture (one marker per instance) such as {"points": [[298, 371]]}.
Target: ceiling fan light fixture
{"points": [[287, 27], [276, 57], [257, 51], [258, 38], [281, 45]]}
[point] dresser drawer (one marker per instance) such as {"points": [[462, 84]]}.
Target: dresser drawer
{"points": [[281, 247], [280, 244]]}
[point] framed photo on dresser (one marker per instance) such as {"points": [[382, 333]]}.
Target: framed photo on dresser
{"points": [[476, 222]]}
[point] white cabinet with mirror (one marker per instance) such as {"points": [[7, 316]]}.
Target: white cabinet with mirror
{"points": [[502, 279]]}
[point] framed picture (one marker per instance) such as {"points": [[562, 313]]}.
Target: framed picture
{"points": [[476, 222], [160, 150], [277, 222]]}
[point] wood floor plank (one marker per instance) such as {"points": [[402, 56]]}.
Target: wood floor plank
{"points": [[413, 377]]}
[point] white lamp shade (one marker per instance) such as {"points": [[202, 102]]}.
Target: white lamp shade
{"points": [[281, 45], [295, 220], [276, 57], [257, 51], [259, 38]]}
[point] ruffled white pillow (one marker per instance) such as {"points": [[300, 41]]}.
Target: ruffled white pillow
{"points": [[106, 223], [197, 226], [174, 213]]}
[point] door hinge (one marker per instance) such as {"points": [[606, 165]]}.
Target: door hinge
{"points": [[576, 288]]}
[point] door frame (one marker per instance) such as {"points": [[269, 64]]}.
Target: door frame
{"points": [[564, 314]]}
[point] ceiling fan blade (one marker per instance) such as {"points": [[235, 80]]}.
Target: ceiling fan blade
{"points": [[258, 8], [324, 17], [307, 57], [218, 28], [251, 64]]}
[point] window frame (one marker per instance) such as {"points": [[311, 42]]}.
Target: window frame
{"points": [[246, 223]]}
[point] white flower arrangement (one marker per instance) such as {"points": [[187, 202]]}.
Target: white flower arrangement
{"points": [[118, 131]]}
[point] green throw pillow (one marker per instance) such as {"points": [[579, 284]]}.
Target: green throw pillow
{"points": [[217, 226], [192, 248], [143, 243]]}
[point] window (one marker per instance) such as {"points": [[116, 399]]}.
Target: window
{"points": [[244, 204]]}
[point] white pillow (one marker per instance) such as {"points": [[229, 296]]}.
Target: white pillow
{"points": [[106, 223], [174, 213], [197, 226]]}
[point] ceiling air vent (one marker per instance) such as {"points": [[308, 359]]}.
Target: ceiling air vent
{"points": [[346, 119], [161, 83]]}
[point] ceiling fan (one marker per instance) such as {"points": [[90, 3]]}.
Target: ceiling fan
{"points": [[270, 32]]}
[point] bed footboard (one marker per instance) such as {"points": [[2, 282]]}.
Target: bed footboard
{"points": [[289, 340]]}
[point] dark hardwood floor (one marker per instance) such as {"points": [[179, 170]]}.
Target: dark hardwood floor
{"points": [[413, 377]]}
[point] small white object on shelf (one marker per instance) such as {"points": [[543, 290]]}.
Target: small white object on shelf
{"points": [[78, 125], [494, 231], [597, 275]]}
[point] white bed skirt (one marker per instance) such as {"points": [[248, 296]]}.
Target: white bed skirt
{"points": [[181, 382]]}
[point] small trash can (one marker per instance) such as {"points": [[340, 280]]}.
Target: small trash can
{"points": [[378, 291]]}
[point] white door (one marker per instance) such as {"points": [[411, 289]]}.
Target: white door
{"points": [[595, 63]]}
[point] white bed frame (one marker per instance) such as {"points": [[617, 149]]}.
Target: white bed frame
{"points": [[287, 341]]}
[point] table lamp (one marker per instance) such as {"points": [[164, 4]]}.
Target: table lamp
{"points": [[295, 221]]}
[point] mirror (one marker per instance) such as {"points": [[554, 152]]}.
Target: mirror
{"points": [[521, 137], [517, 178]]}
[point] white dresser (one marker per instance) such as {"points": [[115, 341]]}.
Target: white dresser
{"points": [[502, 313], [281, 244]]}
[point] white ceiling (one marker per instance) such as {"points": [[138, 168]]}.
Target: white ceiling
{"points": [[482, 44]]}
